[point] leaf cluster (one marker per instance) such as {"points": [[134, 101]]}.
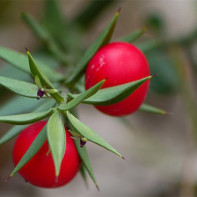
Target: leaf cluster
{"points": [[61, 89]]}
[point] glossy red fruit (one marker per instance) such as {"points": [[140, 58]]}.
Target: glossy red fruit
{"points": [[119, 63], [40, 170]]}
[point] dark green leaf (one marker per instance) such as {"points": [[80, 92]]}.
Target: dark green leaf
{"points": [[86, 161], [108, 96], [167, 80], [15, 130], [36, 71], [88, 93], [148, 45], [53, 18], [44, 36], [33, 149], [57, 139], [25, 118], [20, 61], [149, 108], [89, 134], [103, 39], [133, 36], [19, 87], [88, 15]]}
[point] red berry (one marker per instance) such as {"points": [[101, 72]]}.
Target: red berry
{"points": [[40, 170], [119, 63]]}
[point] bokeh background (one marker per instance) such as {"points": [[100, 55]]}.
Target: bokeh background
{"points": [[160, 150]]}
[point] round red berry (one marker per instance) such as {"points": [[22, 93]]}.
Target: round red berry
{"points": [[119, 63], [40, 170]]}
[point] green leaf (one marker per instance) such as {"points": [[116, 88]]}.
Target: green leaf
{"points": [[133, 36], [45, 37], [18, 104], [20, 61], [149, 45], [36, 71], [83, 174], [57, 139], [53, 18], [83, 153], [103, 39], [89, 134], [108, 96], [11, 72], [26, 118], [15, 130], [19, 87], [149, 108], [88, 15], [88, 93], [32, 150]]}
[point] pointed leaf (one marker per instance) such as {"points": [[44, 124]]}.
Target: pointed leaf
{"points": [[20, 61], [25, 118], [88, 93], [89, 134], [108, 96], [36, 71], [15, 130], [133, 36], [152, 109], [33, 149], [103, 39], [19, 87], [57, 139], [85, 160], [83, 174]]}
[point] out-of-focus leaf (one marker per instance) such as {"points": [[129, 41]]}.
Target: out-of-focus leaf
{"points": [[18, 104], [19, 87], [45, 37], [149, 45], [108, 96], [20, 61], [11, 72], [133, 36], [88, 93], [151, 109], [36, 71], [33, 149], [15, 130], [89, 134], [57, 139], [86, 161], [55, 22], [88, 14], [166, 81], [25, 118], [103, 39]]}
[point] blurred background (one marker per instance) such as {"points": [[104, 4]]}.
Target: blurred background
{"points": [[160, 150]]}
